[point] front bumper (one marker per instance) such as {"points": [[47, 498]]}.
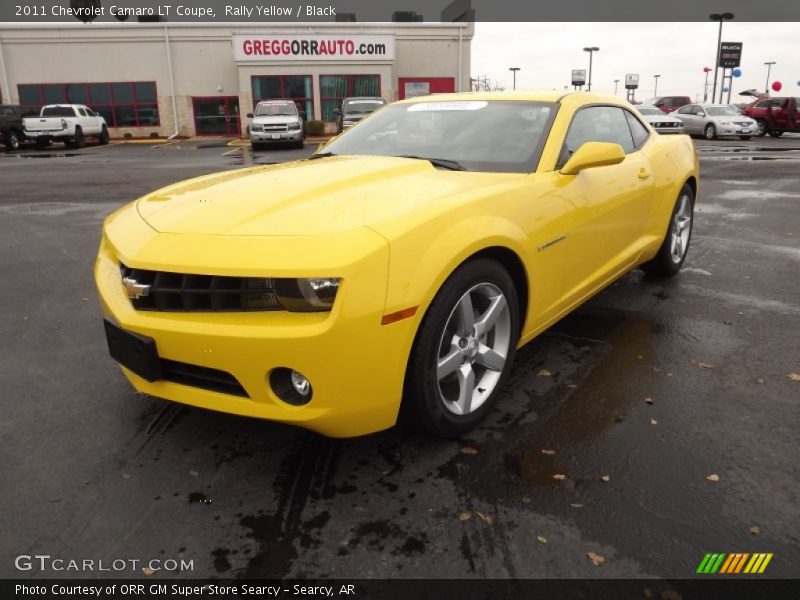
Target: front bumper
{"points": [[355, 365], [268, 137], [736, 130]]}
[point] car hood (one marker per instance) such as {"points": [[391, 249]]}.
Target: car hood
{"points": [[662, 119], [323, 196], [730, 118], [275, 120]]}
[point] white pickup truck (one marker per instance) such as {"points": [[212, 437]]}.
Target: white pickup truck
{"points": [[68, 123]]}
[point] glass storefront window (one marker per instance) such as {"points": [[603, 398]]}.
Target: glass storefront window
{"points": [[335, 88], [285, 87]]}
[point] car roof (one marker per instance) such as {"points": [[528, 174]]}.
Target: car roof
{"points": [[276, 101], [561, 97], [365, 98], [710, 105]]}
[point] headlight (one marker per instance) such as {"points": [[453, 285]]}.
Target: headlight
{"points": [[255, 127], [294, 126], [307, 295], [725, 123], [348, 122]]}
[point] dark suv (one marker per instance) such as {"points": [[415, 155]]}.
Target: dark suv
{"points": [[775, 115], [668, 103], [10, 126]]}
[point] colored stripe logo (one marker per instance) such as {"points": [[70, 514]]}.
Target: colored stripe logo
{"points": [[733, 563]]}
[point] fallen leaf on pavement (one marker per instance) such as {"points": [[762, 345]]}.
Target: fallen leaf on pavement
{"points": [[559, 476], [542, 539], [576, 505], [468, 450], [488, 519], [606, 478], [572, 386], [148, 571], [543, 373], [755, 530], [713, 477], [703, 365], [596, 559], [653, 422], [526, 500], [548, 452], [465, 516], [649, 400], [794, 376], [760, 380]]}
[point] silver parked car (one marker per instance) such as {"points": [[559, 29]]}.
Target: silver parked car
{"points": [[715, 120], [660, 121], [275, 122]]}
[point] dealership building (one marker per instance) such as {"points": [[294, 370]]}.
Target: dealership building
{"points": [[192, 79]]}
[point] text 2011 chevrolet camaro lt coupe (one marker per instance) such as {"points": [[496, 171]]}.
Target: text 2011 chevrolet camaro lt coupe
{"points": [[397, 270]]}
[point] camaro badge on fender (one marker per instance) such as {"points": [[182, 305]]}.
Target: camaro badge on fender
{"points": [[134, 289]]}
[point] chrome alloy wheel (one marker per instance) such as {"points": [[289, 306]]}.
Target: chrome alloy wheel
{"points": [[473, 349], [681, 229]]}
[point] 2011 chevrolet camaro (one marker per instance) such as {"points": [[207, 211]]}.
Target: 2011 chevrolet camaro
{"points": [[397, 270]]}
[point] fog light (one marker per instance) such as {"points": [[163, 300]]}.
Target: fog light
{"points": [[301, 384], [290, 386]]}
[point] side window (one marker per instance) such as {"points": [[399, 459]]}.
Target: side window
{"points": [[598, 124], [686, 110], [82, 112], [638, 131]]}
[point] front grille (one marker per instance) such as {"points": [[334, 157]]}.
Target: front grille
{"points": [[272, 128], [201, 377], [742, 123], [180, 292]]}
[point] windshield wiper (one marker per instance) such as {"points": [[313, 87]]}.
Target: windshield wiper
{"points": [[452, 165], [321, 155]]}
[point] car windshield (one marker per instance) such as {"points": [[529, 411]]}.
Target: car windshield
{"points": [[478, 135], [58, 111], [722, 111], [272, 110], [352, 107], [649, 110]]}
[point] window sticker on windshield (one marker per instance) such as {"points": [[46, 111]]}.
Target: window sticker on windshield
{"points": [[442, 106]]}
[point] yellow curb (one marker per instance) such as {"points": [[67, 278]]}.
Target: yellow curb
{"points": [[153, 141]]}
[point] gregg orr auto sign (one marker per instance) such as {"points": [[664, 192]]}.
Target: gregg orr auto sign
{"points": [[288, 48]]}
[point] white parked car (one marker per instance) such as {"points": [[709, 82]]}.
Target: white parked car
{"points": [[275, 122], [660, 121], [715, 120], [68, 123]]}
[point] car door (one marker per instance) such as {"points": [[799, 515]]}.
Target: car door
{"points": [[690, 120], [608, 206]]}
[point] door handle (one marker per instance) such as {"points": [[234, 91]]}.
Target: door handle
{"points": [[644, 173]]}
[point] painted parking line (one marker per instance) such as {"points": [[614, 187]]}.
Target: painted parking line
{"points": [[172, 143], [232, 151]]}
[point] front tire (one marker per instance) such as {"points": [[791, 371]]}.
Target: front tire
{"points": [[12, 140], [744, 137], [103, 137], [672, 253], [761, 128], [463, 351], [710, 132], [775, 134]]}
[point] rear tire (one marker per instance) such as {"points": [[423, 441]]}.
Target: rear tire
{"points": [[672, 253], [463, 351], [77, 141], [761, 128], [775, 134], [710, 132]]}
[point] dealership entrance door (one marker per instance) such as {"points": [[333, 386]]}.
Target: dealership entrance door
{"points": [[218, 115]]}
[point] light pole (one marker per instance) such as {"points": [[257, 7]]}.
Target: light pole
{"points": [[655, 90], [616, 83], [769, 68], [514, 71], [718, 17], [706, 70], [591, 50]]}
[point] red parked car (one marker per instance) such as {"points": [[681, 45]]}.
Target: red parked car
{"points": [[775, 116], [668, 103]]}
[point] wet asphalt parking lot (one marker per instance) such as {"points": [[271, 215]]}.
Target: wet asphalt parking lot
{"points": [[91, 469]]}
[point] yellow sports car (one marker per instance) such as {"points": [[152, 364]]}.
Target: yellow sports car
{"points": [[396, 271]]}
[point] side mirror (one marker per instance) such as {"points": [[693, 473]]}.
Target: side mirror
{"points": [[249, 115], [593, 154], [337, 112]]}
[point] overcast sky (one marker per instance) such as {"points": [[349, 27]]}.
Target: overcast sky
{"points": [[547, 52]]}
